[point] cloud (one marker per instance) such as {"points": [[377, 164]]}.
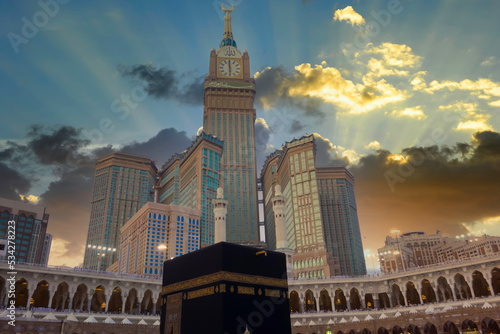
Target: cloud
{"points": [[412, 112], [328, 155], [395, 55], [482, 86], [472, 118], [297, 126], [490, 61], [495, 103], [374, 145], [13, 183], [427, 187], [348, 14], [163, 83]]}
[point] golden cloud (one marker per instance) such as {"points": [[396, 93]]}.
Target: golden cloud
{"points": [[348, 14], [495, 103], [373, 145], [396, 55], [327, 84], [412, 112], [480, 86], [473, 120], [30, 198]]}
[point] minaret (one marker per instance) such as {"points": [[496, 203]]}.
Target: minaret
{"points": [[279, 209], [220, 211]]}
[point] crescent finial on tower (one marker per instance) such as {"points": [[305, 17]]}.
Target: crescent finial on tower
{"points": [[227, 10], [227, 39]]}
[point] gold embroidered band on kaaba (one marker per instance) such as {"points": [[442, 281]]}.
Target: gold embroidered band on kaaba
{"points": [[224, 276]]}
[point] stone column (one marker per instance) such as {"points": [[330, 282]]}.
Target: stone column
{"points": [[348, 301], [71, 296], [107, 300], [155, 299], [419, 292], [52, 294], [124, 302]]}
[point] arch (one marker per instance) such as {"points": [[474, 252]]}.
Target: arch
{"points": [[450, 328], [413, 329], [383, 300], [132, 302], [340, 332], [430, 328], [462, 289], [325, 302], [98, 301], [81, 298], [479, 285], [147, 305], [397, 330], [366, 331], [41, 296], [469, 326], [60, 301], [489, 326], [294, 302], [354, 299], [310, 302], [495, 280], [412, 295], [382, 330], [340, 301], [352, 331], [369, 303], [22, 293], [115, 301], [397, 296], [444, 290], [428, 294]]}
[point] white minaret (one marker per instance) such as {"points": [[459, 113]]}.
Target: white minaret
{"points": [[220, 212], [279, 209]]}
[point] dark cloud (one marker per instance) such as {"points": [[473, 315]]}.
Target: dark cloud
{"points": [[271, 92], [160, 147], [55, 146], [164, 83], [441, 187], [325, 155], [12, 183], [297, 126]]}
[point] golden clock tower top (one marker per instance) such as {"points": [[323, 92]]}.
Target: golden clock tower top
{"points": [[227, 39]]}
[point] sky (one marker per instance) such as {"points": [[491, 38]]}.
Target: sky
{"points": [[405, 94]]}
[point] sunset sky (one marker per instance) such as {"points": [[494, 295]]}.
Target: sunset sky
{"points": [[406, 94]]}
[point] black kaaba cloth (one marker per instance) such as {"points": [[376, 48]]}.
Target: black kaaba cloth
{"points": [[223, 289]]}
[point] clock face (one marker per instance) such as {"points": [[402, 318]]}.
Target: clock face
{"points": [[229, 68]]}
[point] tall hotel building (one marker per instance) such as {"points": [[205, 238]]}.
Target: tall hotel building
{"points": [[321, 217], [32, 240], [123, 183], [229, 114], [190, 179], [156, 233]]}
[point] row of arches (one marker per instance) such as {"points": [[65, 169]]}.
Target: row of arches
{"points": [[488, 326], [83, 299], [424, 292]]}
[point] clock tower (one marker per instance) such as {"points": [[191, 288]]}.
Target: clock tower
{"points": [[229, 114]]}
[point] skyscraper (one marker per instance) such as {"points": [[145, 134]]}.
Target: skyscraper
{"points": [[191, 179], [30, 230], [229, 114], [123, 183], [340, 218], [321, 218]]}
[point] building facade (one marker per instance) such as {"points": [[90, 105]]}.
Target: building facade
{"points": [[156, 233], [229, 114], [30, 230], [321, 218], [123, 183], [418, 249], [191, 179], [340, 219]]}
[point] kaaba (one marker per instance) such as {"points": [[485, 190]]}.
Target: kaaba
{"points": [[225, 289]]}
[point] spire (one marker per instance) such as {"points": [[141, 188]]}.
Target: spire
{"points": [[227, 39]]}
